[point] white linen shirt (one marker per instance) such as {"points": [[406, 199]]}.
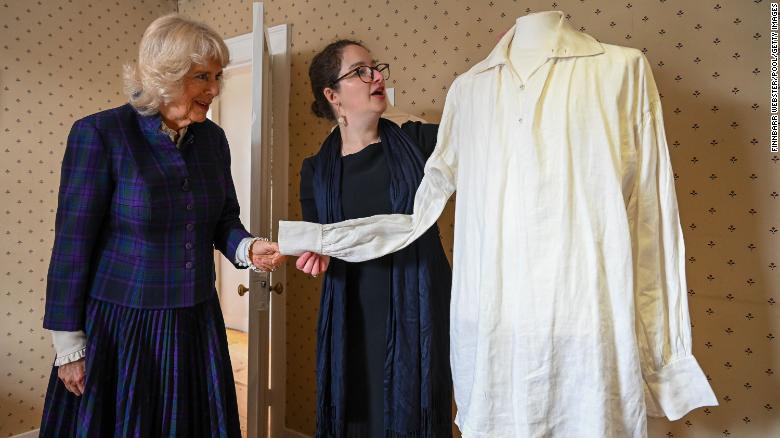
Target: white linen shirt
{"points": [[569, 313]]}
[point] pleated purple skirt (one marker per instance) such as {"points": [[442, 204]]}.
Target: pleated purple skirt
{"points": [[149, 373]]}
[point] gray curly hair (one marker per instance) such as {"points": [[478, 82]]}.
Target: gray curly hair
{"points": [[169, 47]]}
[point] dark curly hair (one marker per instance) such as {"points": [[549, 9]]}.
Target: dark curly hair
{"points": [[324, 69]]}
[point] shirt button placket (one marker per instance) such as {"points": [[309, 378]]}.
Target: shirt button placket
{"points": [[521, 92]]}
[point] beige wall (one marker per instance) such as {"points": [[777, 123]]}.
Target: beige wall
{"points": [[61, 60], [710, 61], [704, 54]]}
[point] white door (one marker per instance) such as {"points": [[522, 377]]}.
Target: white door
{"points": [[233, 113], [259, 397], [253, 111], [268, 204]]}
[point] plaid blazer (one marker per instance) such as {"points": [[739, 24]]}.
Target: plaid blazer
{"points": [[138, 219]]}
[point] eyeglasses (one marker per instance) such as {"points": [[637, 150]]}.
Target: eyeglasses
{"points": [[366, 73]]}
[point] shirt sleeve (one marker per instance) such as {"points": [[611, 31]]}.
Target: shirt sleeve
{"points": [[675, 383], [85, 191], [363, 239]]}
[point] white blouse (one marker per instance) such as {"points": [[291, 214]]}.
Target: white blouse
{"points": [[569, 313]]}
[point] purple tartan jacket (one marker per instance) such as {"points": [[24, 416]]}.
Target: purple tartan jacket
{"points": [[137, 218]]}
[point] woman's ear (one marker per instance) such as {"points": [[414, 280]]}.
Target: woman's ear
{"points": [[331, 95]]}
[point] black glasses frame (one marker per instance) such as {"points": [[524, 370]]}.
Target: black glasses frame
{"points": [[364, 71]]}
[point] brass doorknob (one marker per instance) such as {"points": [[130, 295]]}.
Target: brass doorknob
{"points": [[242, 290], [278, 288]]}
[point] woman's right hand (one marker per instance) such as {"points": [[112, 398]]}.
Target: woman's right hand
{"points": [[312, 263], [73, 375], [265, 255]]}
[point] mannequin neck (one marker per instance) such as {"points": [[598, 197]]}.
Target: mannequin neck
{"points": [[534, 36], [534, 33]]}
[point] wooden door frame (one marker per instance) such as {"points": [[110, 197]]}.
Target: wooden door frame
{"points": [[271, 205]]}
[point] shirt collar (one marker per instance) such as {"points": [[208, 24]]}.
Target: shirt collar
{"points": [[172, 133], [569, 42], [153, 127]]}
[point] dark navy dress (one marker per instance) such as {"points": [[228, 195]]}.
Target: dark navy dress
{"points": [[365, 191]]}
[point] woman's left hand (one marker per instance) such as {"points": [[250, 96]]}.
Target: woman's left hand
{"points": [[73, 376], [265, 255], [312, 263]]}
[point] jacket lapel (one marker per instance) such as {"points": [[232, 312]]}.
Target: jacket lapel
{"points": [[153, 152]]}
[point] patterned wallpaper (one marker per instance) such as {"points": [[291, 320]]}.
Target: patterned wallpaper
{"points": [[710, 58], [61, 60]]}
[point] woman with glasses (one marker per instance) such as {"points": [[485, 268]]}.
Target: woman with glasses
{"points": [[382, 344]]}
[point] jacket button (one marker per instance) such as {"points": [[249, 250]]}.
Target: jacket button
{"points": [[185, 185], [189, 206], [190, 227], [188, 265], [188, 245]]}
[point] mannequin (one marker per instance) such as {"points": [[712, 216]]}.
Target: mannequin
{"points": [[533, 41], [569, 312]]}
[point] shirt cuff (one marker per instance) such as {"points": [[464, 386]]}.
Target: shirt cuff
{"points": [[69, 346], [679, 388], [296, 238], [242, 251]]}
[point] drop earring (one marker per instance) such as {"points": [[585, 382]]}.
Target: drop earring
{"points": [[342, 119]]}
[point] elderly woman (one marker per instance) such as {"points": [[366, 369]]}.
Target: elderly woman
{"points": [[146, 195], [383, 336]]}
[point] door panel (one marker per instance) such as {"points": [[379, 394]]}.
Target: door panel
{"points": [[234, 117], [259, 400]]}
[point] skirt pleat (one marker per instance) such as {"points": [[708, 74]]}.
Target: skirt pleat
{"points": [[149, 373]]}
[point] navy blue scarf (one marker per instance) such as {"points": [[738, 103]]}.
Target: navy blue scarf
{"points": [[417, 375]]}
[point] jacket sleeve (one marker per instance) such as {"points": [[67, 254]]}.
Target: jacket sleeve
{"points": [[229, 231], [86, 187], [363, 239], [674, 382]]}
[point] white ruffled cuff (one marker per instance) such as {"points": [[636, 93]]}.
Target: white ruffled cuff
{"points": [[242, 252], [69, 346], [72, 357]]}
